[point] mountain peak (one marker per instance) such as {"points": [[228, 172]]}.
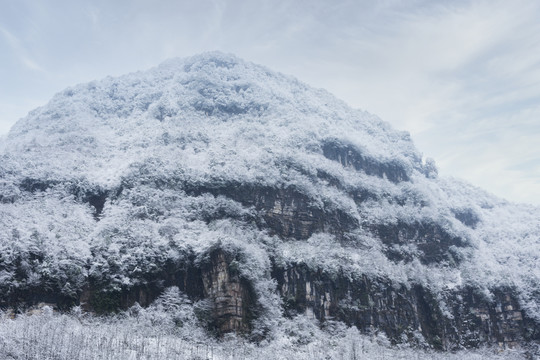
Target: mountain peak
{"points": [[217, 58], [220, 97]]}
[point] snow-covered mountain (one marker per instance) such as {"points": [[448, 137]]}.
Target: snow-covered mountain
{"points": [[262, 198]]}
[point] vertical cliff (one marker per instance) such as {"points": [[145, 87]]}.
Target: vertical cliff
{"points": [[232, 298], [462, 319]]}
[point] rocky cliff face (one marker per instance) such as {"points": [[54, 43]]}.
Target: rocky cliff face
{"points": [[405, 312], [413, 314], [265, 199], [231, 296], [215, 279]]}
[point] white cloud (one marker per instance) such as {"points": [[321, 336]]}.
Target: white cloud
{"points": [[19, 50]]}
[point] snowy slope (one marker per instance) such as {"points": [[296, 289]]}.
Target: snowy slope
{"points": [[212, 101]]}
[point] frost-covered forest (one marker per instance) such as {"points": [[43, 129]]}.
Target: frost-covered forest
{"points": [[153, 333], [115, 180]]}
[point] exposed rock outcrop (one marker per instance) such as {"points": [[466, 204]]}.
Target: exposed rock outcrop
{"points": [[232, 297], [214, 278], [349, 156], [460, 319], [285, 211]]}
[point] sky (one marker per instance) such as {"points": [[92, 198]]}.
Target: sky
{"points": [[463, 77]]}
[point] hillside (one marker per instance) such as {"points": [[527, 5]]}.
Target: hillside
{"points": [[260, 199]]}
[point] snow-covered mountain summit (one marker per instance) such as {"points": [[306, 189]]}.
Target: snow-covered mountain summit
{"points": [[211, 101], [266, 197]]}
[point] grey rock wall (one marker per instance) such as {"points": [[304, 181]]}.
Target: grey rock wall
{"points": [[457, 319]]}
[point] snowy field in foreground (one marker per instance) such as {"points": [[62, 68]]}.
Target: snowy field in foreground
{"points": [[52, 336]]}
